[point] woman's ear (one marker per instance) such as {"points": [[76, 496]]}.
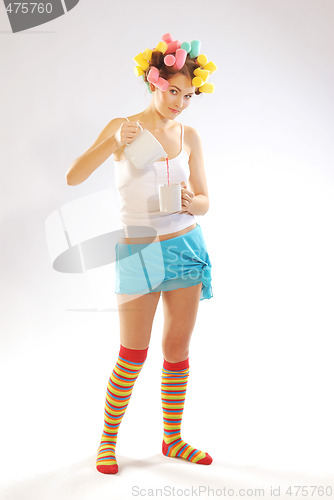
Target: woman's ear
{"points": [[152, 87]]}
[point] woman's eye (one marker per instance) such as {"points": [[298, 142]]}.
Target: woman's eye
{"points": [[174, 92]]}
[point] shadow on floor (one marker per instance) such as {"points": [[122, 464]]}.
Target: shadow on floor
{"points": [[155, 477]]}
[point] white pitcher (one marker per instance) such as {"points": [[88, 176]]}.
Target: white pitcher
{"points": [[144, 149]]}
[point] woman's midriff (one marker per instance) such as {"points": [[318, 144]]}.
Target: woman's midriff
{"points": [[161, 237]]}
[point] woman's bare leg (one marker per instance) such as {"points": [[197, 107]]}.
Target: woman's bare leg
{"points": [[180, 311], [136, 314]]}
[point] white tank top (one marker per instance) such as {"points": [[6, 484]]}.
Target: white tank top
{"points": [[139, 193]]}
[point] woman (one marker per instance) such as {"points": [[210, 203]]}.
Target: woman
{"points": [[177, 247]]}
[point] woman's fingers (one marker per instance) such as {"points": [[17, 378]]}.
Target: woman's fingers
{"points": [[185, 191], [132, 126], [127, 132], [131, 130], [187, 194]]}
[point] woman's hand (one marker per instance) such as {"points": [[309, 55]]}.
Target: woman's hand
{"points": [[186, 198], [127, 132]]}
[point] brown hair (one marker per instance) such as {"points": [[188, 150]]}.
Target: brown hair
{"points": [[167, 72]]}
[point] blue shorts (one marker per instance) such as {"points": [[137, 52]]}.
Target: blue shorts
{"points": [[178, 262]]}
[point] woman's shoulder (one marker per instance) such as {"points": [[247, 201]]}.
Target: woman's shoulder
{"points": [[134, 118], [111, 127], [191, 136], [116, 122], [191, 132]]}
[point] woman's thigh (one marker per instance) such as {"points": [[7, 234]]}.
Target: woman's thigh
{"points": [[180, 308], [136, 314]]}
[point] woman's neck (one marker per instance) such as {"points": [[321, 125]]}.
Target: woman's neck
{"points": [[155, 120]]}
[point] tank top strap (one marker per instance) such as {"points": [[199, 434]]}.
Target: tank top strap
{"points": [[182, 134], [127, 118]]}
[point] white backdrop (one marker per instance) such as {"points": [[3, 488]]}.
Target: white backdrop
{"points": [[261, 369]]}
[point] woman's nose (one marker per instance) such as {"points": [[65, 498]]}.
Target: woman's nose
{"points": [[179, 102]]}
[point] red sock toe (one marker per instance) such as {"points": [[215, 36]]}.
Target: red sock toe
{"points": [[107, 469], [207, 460]]}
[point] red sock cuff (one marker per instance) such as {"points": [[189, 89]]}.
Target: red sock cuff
{"points": [[136, 355], [181, 365]]}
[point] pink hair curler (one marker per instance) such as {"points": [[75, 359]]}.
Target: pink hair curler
{"points": [[180, 58], [169, 60], [173, 46], [153, 75], [154, 78], [162, 84], [167, 38]]}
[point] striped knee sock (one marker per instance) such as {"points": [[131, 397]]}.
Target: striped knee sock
{"points": [[173, 392], [120, 385]]}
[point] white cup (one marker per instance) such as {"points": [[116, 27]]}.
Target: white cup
{"points": [[170, 197], [144, 149]]}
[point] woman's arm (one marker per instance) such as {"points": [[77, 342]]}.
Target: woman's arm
{"points": [[196, 201], [105, 145]]}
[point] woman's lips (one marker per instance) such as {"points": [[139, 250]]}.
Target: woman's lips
{"points": [[174, 110]]}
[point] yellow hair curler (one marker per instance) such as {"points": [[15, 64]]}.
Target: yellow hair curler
{"points": [[202, 60], [162, 47], [210, 66], [138, 71], [147, 55], [202, 73], [207, 88], [139, 59]]}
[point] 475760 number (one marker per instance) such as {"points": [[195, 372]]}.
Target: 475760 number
{"points": [[29, 7]]}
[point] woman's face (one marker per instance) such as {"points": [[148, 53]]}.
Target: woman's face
{"points": [[176, 98]]}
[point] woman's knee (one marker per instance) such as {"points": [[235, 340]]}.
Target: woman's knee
{"points": [[175, 351]]}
